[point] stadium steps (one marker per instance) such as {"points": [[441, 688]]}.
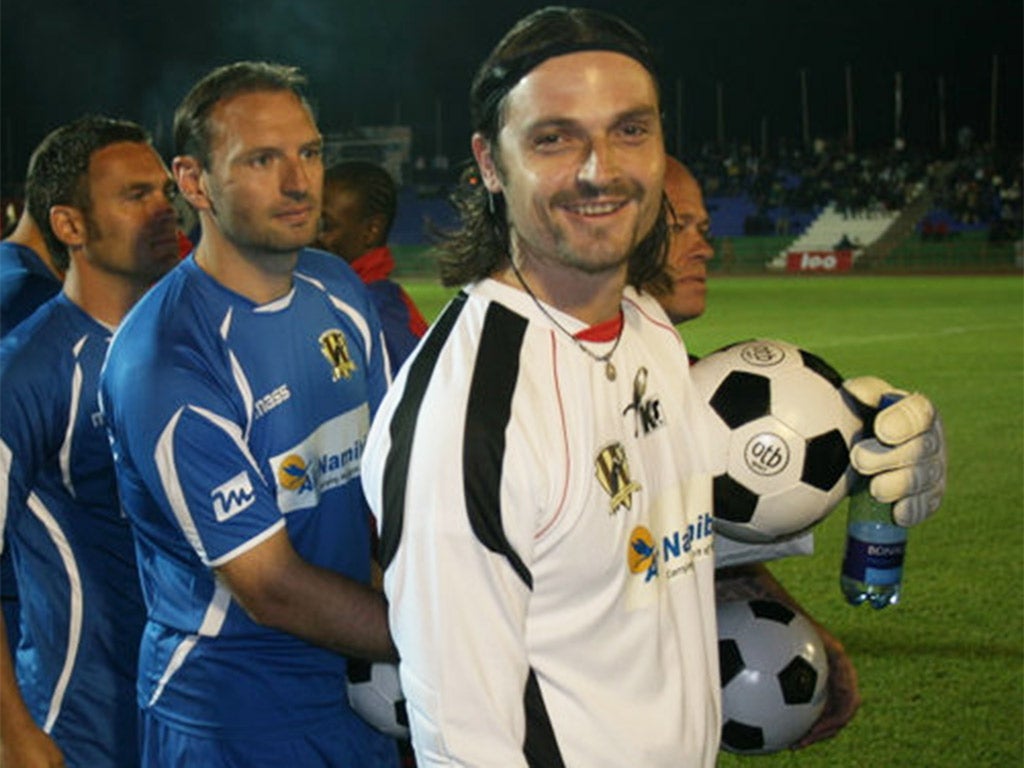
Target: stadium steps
{"points": [[905, 225], [831, 226]]}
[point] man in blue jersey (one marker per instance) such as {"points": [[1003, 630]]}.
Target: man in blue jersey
{"points": [[359, 205], [238, 395], [28, 277], [69, 700]]}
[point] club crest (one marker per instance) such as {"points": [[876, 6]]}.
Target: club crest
{"points": [[612, 469], [334, 347]]}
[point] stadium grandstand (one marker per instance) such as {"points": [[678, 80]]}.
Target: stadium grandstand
{"points": [[824, 210], [821, 210]]}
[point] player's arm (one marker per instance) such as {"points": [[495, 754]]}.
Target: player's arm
{"points": [[279, 589], [22, 742], [250, 551], [458, 613], [753, 581], [457, 606]]}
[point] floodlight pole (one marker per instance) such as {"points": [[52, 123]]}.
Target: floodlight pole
{"points": [[679, 117], [720, 114], [992, 105], [942, 114], [805, 118], [898, 107], [849, 107]]}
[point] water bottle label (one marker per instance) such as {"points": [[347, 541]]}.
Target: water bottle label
{"points": [[874, 563]]}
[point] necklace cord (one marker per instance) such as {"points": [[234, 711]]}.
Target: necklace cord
{"points": [[605, 358]]}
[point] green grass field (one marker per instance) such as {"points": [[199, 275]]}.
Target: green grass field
{"points": [[941, 674]]}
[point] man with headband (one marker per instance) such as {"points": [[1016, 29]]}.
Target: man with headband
{"points": [[538, 469]]}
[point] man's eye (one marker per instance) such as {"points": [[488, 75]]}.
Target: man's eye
{"points": [[547, 140], [634, 130]]}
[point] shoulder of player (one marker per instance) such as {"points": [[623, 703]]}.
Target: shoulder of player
{"points": [[17, 259], [37, 365], [53, 333], [327, 270], [169, 343], [644, 307], [341, 286]]}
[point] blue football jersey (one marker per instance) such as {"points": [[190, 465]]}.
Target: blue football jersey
{"points": [[228, 421], [26, 283], [81, 609]]}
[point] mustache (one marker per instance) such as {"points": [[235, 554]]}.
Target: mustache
{"points": [[586, 192], [300, 196]]}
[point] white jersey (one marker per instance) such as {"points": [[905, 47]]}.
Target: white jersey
{"points": [[546, 535]]}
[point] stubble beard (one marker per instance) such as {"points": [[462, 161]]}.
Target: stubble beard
{"points": [[248, 236]]}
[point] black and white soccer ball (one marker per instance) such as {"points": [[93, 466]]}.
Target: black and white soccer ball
{"points": [[774, 675], [782, 427], [375, 694]]}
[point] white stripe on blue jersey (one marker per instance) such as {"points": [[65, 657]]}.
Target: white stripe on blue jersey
{"points": [[230, 420], [81, 606]]}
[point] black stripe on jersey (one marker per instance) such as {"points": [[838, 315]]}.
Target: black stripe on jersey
{"points": [[403, 427], [540, 747], [495, 374]]}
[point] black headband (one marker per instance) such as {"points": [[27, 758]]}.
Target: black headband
{"points": [[502, 78]]}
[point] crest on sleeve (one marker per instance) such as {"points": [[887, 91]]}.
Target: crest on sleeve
{"points": [[612, 469], [334, 347]]}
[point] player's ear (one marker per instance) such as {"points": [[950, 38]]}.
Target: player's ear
{"points": [[68, 224], [373, 233], [483, 153], [188, 173]]}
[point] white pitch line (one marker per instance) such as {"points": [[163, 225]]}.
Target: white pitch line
{"points": [[852, 341]]}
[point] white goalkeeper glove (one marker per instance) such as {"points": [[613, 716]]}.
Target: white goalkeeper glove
{"points": [[906, 458]]}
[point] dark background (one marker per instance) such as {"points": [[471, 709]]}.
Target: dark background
{"points": [[411, 61]]}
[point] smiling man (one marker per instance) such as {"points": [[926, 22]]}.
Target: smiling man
{"points": [[547, 553], [238, 399]]}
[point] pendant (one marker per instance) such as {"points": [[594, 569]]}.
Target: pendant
{"points": [[609, 370]]}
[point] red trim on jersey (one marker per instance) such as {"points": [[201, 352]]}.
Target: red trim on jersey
{"points": [[184, 244], [376, 264], [417, 324], [567, 459], [609, 330]]}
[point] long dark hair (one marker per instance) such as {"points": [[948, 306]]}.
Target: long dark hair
{"points": [[481, 245]]}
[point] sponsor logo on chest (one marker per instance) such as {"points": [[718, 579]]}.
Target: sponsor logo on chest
{"points": [[326, 459]]}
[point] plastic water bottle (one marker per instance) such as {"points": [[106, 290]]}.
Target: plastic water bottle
{"points": [[875, 546]]}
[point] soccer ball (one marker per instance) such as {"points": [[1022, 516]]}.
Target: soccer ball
{"points": [[375, 694], [783, 427], [774, 675]]}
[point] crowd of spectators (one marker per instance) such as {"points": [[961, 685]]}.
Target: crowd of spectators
{"points": [[976, 189], [983, 190]]}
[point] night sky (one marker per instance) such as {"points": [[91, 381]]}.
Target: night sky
{"points": [[412, 61]]}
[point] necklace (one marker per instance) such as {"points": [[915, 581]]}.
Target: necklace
{"points": [[606, 358]]}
